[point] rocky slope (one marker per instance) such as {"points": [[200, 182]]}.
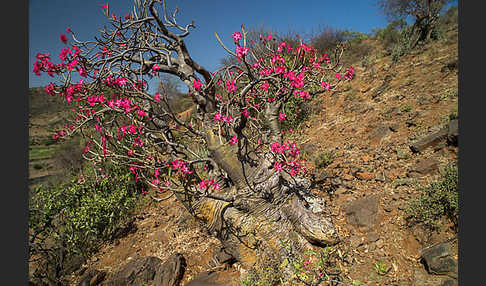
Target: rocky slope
{"points": [[387, 132]]}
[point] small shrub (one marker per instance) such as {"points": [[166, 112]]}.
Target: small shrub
{"points": [[77, 216], [438, 199], [406, 108], [324, 159], [267, 271], [38, 166], [297, 111], [380, 268]]}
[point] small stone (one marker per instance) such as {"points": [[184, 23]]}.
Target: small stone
{"points": [[380, 243], [364, 175], [372, 237], [366, 158], [355, 241]]}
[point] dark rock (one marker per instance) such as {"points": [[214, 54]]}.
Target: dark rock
{"points": [[362, 212], [378, 133], [438, 260], [422, 278], [136, 272], [170, 273], [372, 237], [72, 264], [453, 132], [92, 277], [309, 148], [449, 282], [384, 86], [423, 167], [424, 99], [211, 279], [223, 256], [429, 141], [393, 127], [451, 65], [320, 177]]}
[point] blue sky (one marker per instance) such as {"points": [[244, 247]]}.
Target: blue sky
{"points": [[49, 18]]}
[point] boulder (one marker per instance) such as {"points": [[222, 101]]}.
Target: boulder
{"points": [[92, 277], [430, 140], [170, 273], [362, 212], [438, 260], [138, 272], [453, 132], [423, 167]]}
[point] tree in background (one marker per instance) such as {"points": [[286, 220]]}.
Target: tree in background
{"points": [[425, 12], [229, 162]]}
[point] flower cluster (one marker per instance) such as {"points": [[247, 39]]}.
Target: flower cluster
{"points": [[287, 158]]}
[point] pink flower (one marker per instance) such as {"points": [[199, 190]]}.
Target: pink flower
{"points": [[63, 38], [202, 185], [281, 116], [155, 69], [141, 113], [307, 262], [231, 86], [157, 96], [245, 113], [278, 166], [325, 85], [68, 30], [227, 119], [236, 36], [241, 51], [197, 85], [233, 140], [338, 75], [218, 117]]}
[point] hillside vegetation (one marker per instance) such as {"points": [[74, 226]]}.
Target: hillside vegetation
{"points": [[382, 152]]}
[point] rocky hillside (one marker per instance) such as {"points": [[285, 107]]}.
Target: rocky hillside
{"points": [[371, 147]]}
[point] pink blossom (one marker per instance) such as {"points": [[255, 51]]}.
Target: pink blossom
{"points": [[338, 75], [155, 69], [326, 85], [282, 116], [218, 117], [245, 113], [202, 185], [233, 140], [197, 85], [236, 36], [157, 96], [241, 51], [277, 166], [227, 119], [63, 38], [141, 113]]}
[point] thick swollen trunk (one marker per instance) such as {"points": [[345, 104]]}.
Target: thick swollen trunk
{"points": [[263, 208]]}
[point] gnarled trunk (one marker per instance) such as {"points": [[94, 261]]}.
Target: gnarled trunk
{"points": [[263, 208]]}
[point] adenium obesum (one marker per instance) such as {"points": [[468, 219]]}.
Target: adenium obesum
{"points": [[105, 84]]}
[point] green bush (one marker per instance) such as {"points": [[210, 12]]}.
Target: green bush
{"points": [[438, 199], [73, 218], [324, 159], [297, 111]]}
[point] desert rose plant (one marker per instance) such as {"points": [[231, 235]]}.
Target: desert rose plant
{"points": [[227, 162]]}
